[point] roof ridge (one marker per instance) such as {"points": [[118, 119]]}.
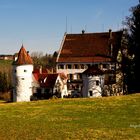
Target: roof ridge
{"points": [[89, 33]]}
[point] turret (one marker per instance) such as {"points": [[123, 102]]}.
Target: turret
{"points": [[93, 81], [22, 76]]}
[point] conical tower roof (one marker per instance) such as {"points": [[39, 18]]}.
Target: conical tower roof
{"points": [[23, 57], [93, 70]]}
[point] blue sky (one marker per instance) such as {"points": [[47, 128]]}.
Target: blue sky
{"points": [[41, 24]]}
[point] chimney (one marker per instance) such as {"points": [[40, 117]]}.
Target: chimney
{"points": [[110, 33], [40, 70], [83, 31]]}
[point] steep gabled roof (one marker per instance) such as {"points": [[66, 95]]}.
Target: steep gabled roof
{"points": [[50, 81], [23, 57], [47, 80], [40, 75], [89, 47]]}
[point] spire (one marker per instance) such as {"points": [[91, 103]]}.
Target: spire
{"points": [[22, 45], [23, 57]]}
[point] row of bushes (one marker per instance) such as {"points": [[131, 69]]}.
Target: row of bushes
{"points": [[5, 79]]}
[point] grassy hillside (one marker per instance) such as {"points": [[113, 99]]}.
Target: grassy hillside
{"points": [[108, 118], [5, 65]]}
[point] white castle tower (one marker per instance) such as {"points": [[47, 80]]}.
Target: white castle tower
{"points": [[93, 81], [22, 76]]}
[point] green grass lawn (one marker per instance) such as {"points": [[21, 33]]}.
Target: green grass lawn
{"points": [[109, 118]]}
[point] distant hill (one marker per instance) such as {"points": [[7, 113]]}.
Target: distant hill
{"points": [[6, 57]]}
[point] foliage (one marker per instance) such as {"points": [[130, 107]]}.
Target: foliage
{"points": [[4, 82], [133, 26], [99, 118], [5, 65], [125, 59], [5, 75], [46, 61]]}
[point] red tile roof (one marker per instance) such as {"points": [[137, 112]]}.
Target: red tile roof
{"points": [[41, 70], [23, 57], [93, 70], [50, 81], [40, 75], [89, 47], [46, 79]]}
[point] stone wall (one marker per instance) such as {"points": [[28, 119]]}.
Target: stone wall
{"points": [[115, 89]]}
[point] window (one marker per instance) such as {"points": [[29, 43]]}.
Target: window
{"points": [[96, 65], [79, 76], [76, 66], [97, 83], [82, 66], [112, 78], [88, 65], [71, 77], [25, 70], [74, 76], [60, 66], [69, 66], [104, 66], [90, 93]]}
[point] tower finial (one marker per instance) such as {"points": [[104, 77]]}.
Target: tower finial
{"points": [[22, 45], [66, 24]]}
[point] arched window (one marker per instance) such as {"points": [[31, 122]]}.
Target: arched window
{"points": [[97, 83], [90, 93]]}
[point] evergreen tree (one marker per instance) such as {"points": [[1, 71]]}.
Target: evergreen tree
{"points": [[133, 24], [5, 82]]}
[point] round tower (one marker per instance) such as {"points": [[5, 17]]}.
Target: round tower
{"points": [[22, 76], [93, 81]]}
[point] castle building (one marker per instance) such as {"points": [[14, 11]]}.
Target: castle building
{"points": [[22, 76], [78, 52], [86, 66]]}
